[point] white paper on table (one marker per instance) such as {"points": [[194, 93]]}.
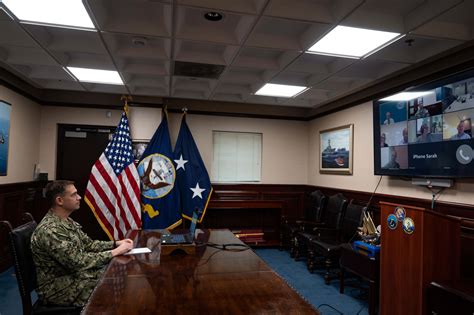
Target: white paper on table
{"points": [[138, 250]]}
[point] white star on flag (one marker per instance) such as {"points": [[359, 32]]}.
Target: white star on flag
{"points": [[197, 191], [181, 163]]}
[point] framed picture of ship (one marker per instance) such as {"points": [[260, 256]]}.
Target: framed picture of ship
{"points": [[336, 150], [5, 110]]}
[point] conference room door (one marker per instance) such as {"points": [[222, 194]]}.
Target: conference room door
{"points": [[78, 148]]}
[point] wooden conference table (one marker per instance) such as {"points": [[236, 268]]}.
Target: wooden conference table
{"points": [[211, 281]]}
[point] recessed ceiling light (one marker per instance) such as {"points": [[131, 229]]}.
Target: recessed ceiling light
{"points": [[96, 75], [406, 96], [213, 16], [139, 41], [352, 42], [280, 90], [51, 12], [409, 41]]}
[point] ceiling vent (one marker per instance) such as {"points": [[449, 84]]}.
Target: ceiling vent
{"points": [[198, 70]]}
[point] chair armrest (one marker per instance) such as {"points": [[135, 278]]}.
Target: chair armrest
{"points": [[286, 220], [318, 225], [305, 222], [308, 226], [327, 233]]}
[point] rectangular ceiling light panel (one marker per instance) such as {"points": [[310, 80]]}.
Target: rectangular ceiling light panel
{"points": [[280, 90], [96, 75], [406, 96], [51, 12], [352, 42]]}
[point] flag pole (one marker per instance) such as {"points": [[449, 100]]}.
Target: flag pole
{"points": [[126, 99], [164, 111]]}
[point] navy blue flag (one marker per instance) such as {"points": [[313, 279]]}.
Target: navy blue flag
{"points": [[193, 180], [160, 196]]}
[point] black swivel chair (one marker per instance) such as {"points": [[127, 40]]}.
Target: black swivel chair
{"points": [[334, 210], [328, 245], [20, 239], [314, 210]]}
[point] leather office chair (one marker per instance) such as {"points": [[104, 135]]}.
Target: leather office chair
{"points": [[336, 205], [327, 245], [316, 204], [20, 239]]}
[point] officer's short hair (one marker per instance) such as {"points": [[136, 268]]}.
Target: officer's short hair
{"points": [[56, 188]]}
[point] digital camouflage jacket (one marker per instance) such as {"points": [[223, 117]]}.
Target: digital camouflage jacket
{"points": [[68, 262]]}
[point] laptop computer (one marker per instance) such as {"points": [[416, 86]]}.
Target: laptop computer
{"points": [[182, 238]]}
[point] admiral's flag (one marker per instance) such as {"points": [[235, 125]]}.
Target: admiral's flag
{"points": [[193, 180]]}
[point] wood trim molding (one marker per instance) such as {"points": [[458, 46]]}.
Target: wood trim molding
{"points": [[245, 204], [295, 198], [452, 61], [444, 207], [258, 191], [257, 201]]}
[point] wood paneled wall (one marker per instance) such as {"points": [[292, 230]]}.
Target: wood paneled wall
{"points": [[260, 205], [255, 207], [292, 195], [294, 198], [15, 199]]}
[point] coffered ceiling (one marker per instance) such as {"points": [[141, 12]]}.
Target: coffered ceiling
{"points": [[256, 42]]}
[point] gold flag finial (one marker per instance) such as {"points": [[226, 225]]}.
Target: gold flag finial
{"points": [[125, 99]]}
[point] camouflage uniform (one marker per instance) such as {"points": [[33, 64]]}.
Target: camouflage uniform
{"points": [[68, 262]]}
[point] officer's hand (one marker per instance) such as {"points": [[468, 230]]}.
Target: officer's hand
{"points": [[127, 240], [122, 249]]}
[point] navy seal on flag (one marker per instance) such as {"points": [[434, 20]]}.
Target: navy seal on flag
{"points": [[161, 206], [157, 174]]}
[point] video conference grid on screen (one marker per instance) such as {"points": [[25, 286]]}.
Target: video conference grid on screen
{"points": [[430, 135]]}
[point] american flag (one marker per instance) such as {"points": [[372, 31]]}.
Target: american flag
{"points": [[113, 190]]}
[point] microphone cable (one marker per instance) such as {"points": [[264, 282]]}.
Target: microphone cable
{"points": [[221, 248], [232, 247]]}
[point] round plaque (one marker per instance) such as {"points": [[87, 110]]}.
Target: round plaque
{"points": [[408, 226], [400, 213], [392, 222]]}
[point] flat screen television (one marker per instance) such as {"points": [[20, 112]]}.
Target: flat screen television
{"points": [[427, 131]]}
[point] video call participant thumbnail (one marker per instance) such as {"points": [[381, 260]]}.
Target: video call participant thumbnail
{"points": [[458, 125], [393, 112], [394, 157], [394, 134]]}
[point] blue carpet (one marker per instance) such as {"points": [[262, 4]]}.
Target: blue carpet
{"points": [[10, 301], [312, 287]]}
